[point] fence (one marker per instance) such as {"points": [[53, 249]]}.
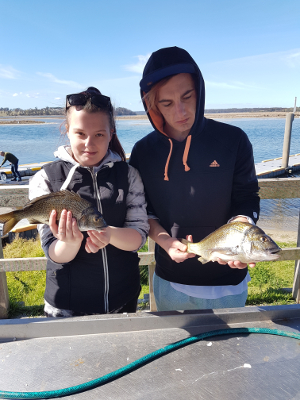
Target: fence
{"points": [[16, 197]]}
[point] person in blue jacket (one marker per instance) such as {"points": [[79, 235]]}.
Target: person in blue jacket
{"points": [[198, 174]]}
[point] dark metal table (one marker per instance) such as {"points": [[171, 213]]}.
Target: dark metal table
{"points": [[50, 354]]}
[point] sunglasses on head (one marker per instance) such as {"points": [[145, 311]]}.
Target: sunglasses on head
{"points": [[80, 99]]}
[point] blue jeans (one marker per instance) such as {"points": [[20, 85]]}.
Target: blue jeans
{"points": [[167, 298], [15, 172]]}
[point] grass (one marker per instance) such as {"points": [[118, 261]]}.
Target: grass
{"points": [[268, 279], [26, 289]]}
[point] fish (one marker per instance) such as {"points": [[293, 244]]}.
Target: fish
{"points": [[236, 240], [38, 211]]}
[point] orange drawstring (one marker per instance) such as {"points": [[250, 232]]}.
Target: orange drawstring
{"points": [[166, 178], [184, 158], [159, 124], [186, 152]]}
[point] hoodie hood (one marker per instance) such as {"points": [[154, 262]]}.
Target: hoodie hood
{"points": [[65, 154], [167, 62]]}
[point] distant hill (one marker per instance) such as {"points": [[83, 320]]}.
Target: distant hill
{"points": [[4, 112], [140, 112], [14, 112], [243, 110], [50, 111], [124, 111]]}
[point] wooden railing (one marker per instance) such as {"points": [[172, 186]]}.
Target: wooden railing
{"points": [[278, 188]]}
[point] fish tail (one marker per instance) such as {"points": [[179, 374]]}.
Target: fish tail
{"points": [[187, 243], [9, 220]]}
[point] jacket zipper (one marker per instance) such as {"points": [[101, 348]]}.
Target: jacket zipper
{"points": [[103, 251]]}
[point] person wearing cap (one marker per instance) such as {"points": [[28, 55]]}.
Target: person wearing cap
{"points": [[14, 164], [198, 175]]}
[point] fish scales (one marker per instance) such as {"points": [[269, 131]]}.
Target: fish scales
{"points": [[235, 241], [38, 210], [58, 201]]}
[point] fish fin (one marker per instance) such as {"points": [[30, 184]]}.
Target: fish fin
{"points": [[9, 220], [33, 221], [203, 260], [62, 193], [184, 241]]}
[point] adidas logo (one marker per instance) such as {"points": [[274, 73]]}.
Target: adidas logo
{"points": [[214, 164]]}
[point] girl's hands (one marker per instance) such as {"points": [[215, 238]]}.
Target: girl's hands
{"points": [[67, 230], [67, 233], [97, 240]]}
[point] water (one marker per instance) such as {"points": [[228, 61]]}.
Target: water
{"points": [[31, 143], [36, 143], [266, 136]]}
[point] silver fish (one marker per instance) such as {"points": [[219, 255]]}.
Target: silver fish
{"points": [[38, 211], [235, 241]]}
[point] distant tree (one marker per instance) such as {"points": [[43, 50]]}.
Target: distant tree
{"points": [[124, 111]]}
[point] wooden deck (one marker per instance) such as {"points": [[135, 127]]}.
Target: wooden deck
{"points": [[266, 169], [273, 167]]}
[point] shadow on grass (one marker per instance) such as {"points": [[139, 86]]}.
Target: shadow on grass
{"points": [[18, 310], [269, 296]]}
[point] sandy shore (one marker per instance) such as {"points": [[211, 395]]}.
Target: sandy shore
{"points": [[226, 115], [133, 117]]}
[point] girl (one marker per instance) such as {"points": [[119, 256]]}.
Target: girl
{"points": [[92, 272]]}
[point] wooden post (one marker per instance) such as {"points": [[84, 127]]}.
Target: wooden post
{"points": [[296, 284], [151, 268], [287, 140], [4, 299]]}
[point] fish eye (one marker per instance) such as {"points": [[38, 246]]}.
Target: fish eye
{"points": [[263, 239]]}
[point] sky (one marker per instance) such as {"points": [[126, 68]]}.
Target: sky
{"points": [[248, 51]]}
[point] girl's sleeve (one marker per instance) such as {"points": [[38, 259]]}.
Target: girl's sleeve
{"points": [[136, 216], [40, 185]]}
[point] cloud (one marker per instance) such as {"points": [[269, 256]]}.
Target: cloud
{"points": [[8, 72], [288, 57], [139, 66], [53, 78], [225, 85], [32, 95], [293, 60], [57, 98]]}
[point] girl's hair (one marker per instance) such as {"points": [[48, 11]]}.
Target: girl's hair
{"points": [[89, 107]]}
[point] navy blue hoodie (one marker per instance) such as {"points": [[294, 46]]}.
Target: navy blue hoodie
{"points": [[210, 176]]}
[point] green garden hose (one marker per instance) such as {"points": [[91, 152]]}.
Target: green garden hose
{"points": [[139, 363]]}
